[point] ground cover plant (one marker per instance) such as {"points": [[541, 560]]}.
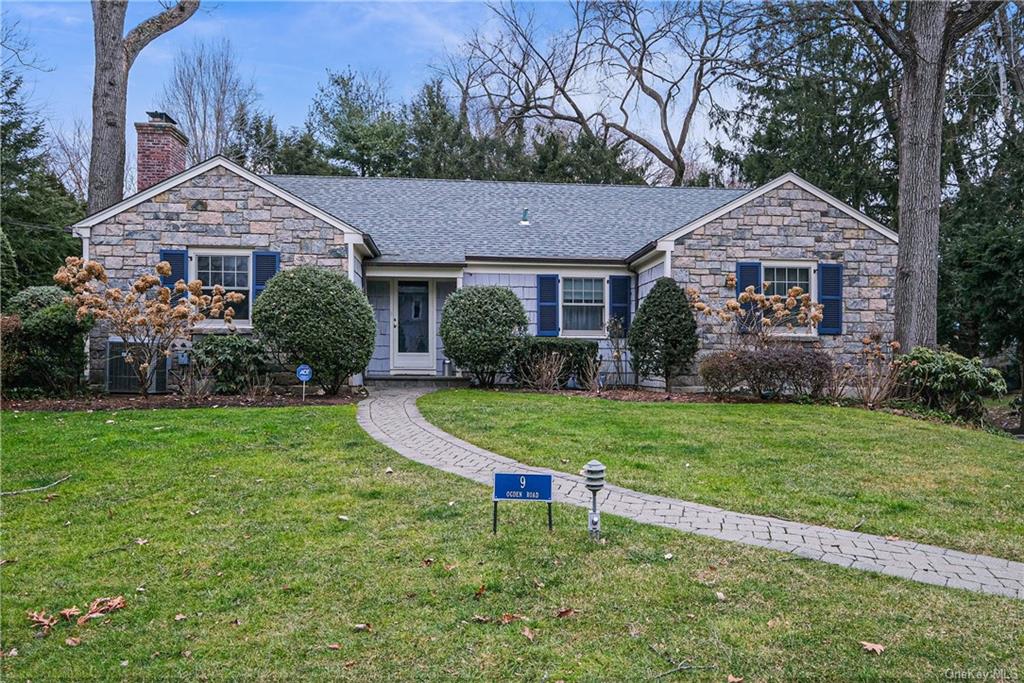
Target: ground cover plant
{"points": [[255, 544], [845, 468]]}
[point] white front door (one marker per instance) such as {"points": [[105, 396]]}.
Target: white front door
{"points": [[412, 326]]}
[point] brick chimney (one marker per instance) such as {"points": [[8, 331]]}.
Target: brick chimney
{"points": [[161, 152]]}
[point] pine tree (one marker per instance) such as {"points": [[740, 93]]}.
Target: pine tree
{"points": [[662, 340]]}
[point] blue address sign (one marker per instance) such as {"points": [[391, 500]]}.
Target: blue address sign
{"points": [[525, 487]]}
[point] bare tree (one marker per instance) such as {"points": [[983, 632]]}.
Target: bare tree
{"points": [[929, 33], [115, 54], [16, 48], [68, 157], [204, 93], [624, 69]]}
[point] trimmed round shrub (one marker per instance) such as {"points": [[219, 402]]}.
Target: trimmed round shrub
{"points": [[32, 299], [768, 373], [722, 372], [662, 340], [234, 361], [482, 328], [53, 340], [946, 381], [316, 316]]}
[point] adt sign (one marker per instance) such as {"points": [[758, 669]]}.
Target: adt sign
{"points": [[531, 488], [304, 373]]}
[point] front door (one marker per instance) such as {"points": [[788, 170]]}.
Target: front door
{"points": [[413, 326]]}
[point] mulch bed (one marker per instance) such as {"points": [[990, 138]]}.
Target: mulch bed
{"points": [[135, 402]]}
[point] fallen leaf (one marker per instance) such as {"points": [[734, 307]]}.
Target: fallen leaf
{"points": [[180, 617], [124, 662], [449, 567], [480, 592], [235, 622], [70, 612], [565, 612], [508, 617], [734, 679], [668, 556], [481, 619], [528, 632], [892, 538], [873, 648], [42, 620], [427, 561], [13, 652], [186, 654], [343, 518], [362, 628], [110, 422], [101, 606], [72, 641], [720, 595], [451, 503], [141, 541], [334, 646], [350, 663], [389, 471], [538, 583], [635, 631], [6, 561], [49, 497]]}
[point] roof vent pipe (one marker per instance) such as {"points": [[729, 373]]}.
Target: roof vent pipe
{"points": [[525, 220]]}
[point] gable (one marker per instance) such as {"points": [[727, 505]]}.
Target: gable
{"points": [[214, 166], [787, 189]]}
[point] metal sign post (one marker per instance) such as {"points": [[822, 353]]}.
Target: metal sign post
{"points": [[532, 488], [304, 373]]}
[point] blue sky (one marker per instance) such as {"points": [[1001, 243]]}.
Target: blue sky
{"points": [[284, 46]]}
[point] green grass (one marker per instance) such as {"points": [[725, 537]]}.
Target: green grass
{"points": [[840, 467], [240, 508]]}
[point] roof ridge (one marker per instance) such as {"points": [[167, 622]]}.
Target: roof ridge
{"points": [[493, 181]]}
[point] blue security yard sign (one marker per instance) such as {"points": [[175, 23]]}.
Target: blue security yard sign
{"points": [[532, 488], [304, 373]]}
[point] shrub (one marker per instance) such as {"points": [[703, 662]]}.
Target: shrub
{"points": [[12, 352], [946, 381], [663, 337], [235, 362], [482, 328], [53, 340], [10, 277], [769, 373], [32, 299], [577, 358], [316, 316]]}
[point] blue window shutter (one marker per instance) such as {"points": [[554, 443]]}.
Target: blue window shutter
{"points": [[178, 259], [619, 286], [265, 265], [748, 273], [547, 305], [830, 296]]}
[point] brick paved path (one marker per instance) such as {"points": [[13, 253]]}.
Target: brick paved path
{"points": [[391, 417]]}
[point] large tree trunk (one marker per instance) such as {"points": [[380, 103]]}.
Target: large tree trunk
{"points": [[115, 53], [922, 95]]}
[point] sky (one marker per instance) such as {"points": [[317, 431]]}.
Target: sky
{"points": [[285, 47]]}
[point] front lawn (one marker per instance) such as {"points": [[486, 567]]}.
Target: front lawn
{"points": [[840, 467], [221, 529]]}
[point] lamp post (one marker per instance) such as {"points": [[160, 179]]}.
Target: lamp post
{"points": [[593, 472]]}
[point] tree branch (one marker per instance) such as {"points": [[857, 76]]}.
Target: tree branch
{"points": [[959, 24], [154, 27], [894, 39]]}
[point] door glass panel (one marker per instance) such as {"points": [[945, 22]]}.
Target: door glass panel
{"points": [[413, 317]]}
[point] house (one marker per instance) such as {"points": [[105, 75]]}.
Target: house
{"points": [[574, 254]]}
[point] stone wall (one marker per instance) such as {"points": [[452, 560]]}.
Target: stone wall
{"points": [[790, 223], [215, 210]]}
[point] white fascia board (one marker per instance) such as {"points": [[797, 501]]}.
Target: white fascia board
{"points": [[547, 267], [774, 184], [199, 169], [371, 270]]}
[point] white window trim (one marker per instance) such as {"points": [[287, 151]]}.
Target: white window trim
{"points": [[242, 324], [582, 334], [812, 267]]}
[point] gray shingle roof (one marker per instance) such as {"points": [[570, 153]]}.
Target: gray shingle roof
{"points": [[446, 221]]}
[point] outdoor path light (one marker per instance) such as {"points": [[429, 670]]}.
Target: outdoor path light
{"points": [[593, 472]]}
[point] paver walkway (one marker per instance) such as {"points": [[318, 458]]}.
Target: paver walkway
{"points": [[390, 416]]}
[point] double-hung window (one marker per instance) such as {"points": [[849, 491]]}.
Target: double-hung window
{"points": [[780, 278], [232, 272], [583, 305]]}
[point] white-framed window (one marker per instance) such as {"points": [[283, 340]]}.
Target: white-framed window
{"points": [[781, 276], [229, 268], [583, 305]]}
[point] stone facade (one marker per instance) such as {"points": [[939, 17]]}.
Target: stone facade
{"points": [[789, 223], [217, 209]]}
